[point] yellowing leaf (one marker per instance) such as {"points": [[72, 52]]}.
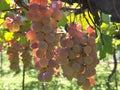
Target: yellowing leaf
{"points": [[8, 36]]}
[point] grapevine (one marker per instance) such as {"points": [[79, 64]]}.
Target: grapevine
{"points": [[74, 52]]}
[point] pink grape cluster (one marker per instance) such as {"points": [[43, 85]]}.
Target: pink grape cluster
{"points": [[13, 23], [16, 52], [15, 49], [13, 55], [77, 56], [43, 36]]}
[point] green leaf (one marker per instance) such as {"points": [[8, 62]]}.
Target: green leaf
{"points": [[100, 48], [63, 21], [22, 40], [5, 4], [8, 36], [107, 44], [1, 35], [105, 48], [105, 18]]}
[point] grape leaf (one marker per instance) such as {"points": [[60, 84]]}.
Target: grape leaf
{"points": [[8, 36], [100, 48], [105, 18], [5, 4], [108, 44], [105, 48], [63, 21]]}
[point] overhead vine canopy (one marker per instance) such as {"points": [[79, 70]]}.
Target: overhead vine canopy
{"points": [[110, 7]]}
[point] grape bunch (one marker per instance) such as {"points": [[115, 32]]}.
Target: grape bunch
{"points": [[43, 36], [26, 56], [13, 55], [17, 50], [13, 23], [77, 55]]}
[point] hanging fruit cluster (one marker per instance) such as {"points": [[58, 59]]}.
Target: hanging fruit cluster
{"points": [[43, 36], [13, 23], [16, 50], [77, 55]]}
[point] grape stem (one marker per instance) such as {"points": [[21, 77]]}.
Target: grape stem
{"points": [[43, 87], [23, 80], [68, 9], [1, 59], [13, 9], [113, 72]]}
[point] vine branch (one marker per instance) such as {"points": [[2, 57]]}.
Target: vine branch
{"points": [[13, 9], [23, 80], [114, 69], [21, 3]]}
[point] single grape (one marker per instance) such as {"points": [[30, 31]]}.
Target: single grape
{"points": [[57, 15], [44, 62], [40, 36], [34, 8], [47, 29], [43, 46], [88, 60], [31, 35], [50, 38], [87, 49]]}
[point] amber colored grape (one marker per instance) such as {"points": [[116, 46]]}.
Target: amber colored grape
{"points": [[77, 48], [50, 38], [40, 36], [57, 15], [87, 49], [56, 4], [47, 29], [40, 54], [53, 23], [38, 66], [62, 60], [67, 42], [49, 54], [36, 26], [86, 85], [34, 45], [31, 35], [44, 62], [34, 8], [45, 76], [76, 67], [88, 60], [64, 52], [90, 72], [34, 16], [45, 20], [89, 29], [71, 55], [39, 2], [43, 9], [43, 46]]}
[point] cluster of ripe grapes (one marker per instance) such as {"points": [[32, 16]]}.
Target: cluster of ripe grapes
{"points": [[16, 50], [13, 23], [43, 36], [77, 55], [13, 55]]}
